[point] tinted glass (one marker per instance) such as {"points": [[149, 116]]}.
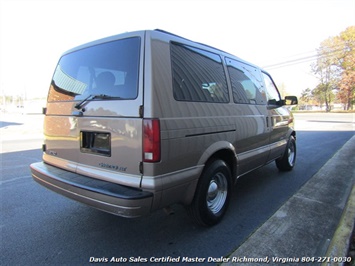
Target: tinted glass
{"points": [[110, 69], [272, 93], [246, 83], [198, 75]]}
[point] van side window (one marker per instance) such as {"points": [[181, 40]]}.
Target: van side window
{"points": [[198, 75], [273, 95], [246, 83]]}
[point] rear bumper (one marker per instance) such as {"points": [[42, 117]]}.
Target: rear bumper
{"points": [[109, 197]]}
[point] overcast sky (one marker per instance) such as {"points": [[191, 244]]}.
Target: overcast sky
{"points": [[33, 34]]}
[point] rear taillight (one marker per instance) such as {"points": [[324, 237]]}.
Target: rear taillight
{"points": [[151, 141]]}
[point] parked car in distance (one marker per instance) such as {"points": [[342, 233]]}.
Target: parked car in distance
{"points": [[143, 120]]}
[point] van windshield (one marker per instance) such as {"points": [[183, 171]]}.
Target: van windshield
{"points": [[109, 69]]}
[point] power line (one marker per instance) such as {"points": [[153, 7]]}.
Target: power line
{"points": [[301, 60], [291, 62]]}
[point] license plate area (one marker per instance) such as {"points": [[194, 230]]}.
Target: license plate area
{"points": [[98, 143]]}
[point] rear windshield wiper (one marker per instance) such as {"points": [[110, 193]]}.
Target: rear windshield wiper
{"points": [[92, 97]]}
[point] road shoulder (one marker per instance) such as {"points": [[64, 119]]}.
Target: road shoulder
{"points": [[304, 226]]}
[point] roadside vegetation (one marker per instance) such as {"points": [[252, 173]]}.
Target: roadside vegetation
{"points": [[335, 70]]}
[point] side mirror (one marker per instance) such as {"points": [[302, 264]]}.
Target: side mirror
{"points": [[290, 100]]}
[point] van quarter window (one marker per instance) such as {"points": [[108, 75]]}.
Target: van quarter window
{"points": [[198, 75], [109, 69]]}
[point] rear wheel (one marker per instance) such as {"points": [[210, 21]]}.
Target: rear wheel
{"points": [[287, 161], [212, 194]]}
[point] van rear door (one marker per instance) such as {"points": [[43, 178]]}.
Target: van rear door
{"points": [[93, 124], [252, 128]]}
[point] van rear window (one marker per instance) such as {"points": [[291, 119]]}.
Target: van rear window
{"points": [[109, 69]]}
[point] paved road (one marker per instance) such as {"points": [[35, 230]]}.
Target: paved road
{"points": [[40, 227]]}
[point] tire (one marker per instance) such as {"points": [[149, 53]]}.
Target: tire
{"points": [[288, 160], [212, 194]]}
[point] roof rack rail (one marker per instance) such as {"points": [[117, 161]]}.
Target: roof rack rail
{"points": [[167, 32]]}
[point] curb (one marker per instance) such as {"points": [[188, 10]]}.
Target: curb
{"points": [[314, 225], [339, 246]]}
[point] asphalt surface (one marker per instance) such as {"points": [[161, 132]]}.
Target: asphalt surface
{"points": [[314, 226]]}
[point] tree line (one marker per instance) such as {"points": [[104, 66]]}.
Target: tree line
{"points": [[335, 71]]}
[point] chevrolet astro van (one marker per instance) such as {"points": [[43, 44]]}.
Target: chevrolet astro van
{"points": [[143, 120]]}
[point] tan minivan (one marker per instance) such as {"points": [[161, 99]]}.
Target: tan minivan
{"points": [[143, 120]]}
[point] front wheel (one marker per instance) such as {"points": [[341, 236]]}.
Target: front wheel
{"points": [[287, 161], [212, 194]]}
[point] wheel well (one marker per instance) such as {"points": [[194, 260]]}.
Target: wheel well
{"points": [[229, 158], [293, 134]]}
